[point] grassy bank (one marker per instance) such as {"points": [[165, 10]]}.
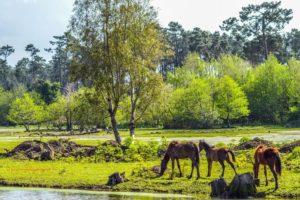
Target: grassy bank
{"points": [[84, 174]]}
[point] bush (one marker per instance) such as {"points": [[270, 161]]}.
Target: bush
{"points": [[243, 140], [136, 151], [109, 154], [294, 154]]}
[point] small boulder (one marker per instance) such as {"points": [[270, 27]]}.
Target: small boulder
{"points": [[116, 178]]}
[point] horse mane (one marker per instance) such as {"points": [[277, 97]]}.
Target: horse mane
{"points": [[260, 147], [205, 144]]}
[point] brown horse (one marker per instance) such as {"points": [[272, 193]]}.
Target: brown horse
{"points": [[267, 156], [176, 151], [216, 154]]}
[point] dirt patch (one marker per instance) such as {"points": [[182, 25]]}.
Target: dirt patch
{"points": [[287, 148], [251, 144], [39, 150]]}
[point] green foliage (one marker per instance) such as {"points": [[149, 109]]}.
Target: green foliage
{"points": [[109, 153], [193, 106], [25, 112], [244, 139], [295, 154], [232, 102], [270, 91], [48, 91]]}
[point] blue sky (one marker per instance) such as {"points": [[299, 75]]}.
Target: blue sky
{"points": [[36, 21]]}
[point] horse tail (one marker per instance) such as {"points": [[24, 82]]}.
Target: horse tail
{"points": [[232, 155], [278, 163]]}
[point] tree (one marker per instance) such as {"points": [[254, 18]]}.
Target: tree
{"points": [[89, 109], [24, 111], [178, 41], [192, 107], [269, 90], [21, 71], [259, 21], [57, 113], [36, 64], [102, 46], [60, 62], [292, 41], [6, 51], [232, 102], [48, 91]]}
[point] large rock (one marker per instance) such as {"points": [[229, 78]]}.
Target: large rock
{"points": [[242, 186]]}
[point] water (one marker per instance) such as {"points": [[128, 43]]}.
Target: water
{"points": [[54, 194]]}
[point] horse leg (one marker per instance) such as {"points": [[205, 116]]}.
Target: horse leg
{"points": [[209, 168], [193, 164], [272, 168], [172, 168], [265, 170], [231, 164], [178, 165], [198, 172], [223, 167]]}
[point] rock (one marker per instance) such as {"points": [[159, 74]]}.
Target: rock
{"points": [[288, 148], [116, 178], [218, 188], [156, 169], [251, 144], [242, 186]]}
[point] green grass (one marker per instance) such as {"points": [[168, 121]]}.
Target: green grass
{"points": [[84, 174]]}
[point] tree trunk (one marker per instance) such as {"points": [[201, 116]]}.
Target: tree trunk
{"points": [[132, 121], [228, 121], [112, 114], [26, 127], [266, 51]]}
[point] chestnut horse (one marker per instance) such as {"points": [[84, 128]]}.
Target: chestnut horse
{"points": [[216, 154], [267, 156], [176, 151]]}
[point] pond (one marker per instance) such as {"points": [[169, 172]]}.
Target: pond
{"points": [[51, 194]]}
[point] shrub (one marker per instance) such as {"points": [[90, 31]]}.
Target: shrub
{"points": [[109, 154], [294, 154]]}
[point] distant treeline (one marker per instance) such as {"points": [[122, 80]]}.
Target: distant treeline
{"points": [[249, 72]]}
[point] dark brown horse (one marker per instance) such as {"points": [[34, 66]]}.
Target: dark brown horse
{"points": [[176, 151], [267, 156], [216, 154]]}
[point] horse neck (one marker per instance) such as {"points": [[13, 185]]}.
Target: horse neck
{"points": [[206, 146]]}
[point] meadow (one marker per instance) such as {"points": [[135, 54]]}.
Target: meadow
{"points": [[90, 174]]}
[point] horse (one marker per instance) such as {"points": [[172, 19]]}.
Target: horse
{"points": [[177, 150], [267, 156], [216, 154]]}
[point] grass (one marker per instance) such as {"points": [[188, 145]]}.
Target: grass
{"points": [[153, 132], [84, 174]]}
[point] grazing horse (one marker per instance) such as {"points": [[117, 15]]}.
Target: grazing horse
{"points": [[267, 156], [176, 151], [216, 154]]}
